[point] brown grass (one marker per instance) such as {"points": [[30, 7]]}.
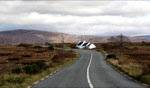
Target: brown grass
{"points": [[20, 56], [135, 60]]}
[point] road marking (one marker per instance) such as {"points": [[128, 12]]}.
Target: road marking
{"points": [[88, 77], [46, 76], [42, 79], [144, 84], [36, 82]]}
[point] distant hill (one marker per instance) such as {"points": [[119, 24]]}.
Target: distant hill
{"points": [[144, 36], [25, 36], [140, 38], [36, 36]]}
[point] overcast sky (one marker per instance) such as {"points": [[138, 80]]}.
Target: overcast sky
{"points": [[77, 17]]}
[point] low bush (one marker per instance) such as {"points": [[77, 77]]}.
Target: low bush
{"points": [[138, 77], [38, 47], [111, 56], [41, 65], [16, 70], [50, 47], [24, 45], [35, 67], [31, 69]]}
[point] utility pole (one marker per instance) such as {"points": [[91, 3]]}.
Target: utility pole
{"points": [[121, 45], [63, 42]]}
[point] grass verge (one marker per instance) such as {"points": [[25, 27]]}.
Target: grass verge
{"points": [[133, 70]]}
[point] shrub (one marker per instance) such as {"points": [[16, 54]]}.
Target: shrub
{"points": [[41, 65], [38, 47], [51, 47], [35, 67], [31, 69], [111, 56], [138, 77], [16, 70], [24, 45]]}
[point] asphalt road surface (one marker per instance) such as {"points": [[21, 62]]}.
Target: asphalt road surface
{"points": [[90, 70]]}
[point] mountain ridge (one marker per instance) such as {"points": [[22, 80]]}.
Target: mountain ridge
{"points": [[37, 36]]}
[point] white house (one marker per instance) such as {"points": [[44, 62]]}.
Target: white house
{"points": [[83, 44]]}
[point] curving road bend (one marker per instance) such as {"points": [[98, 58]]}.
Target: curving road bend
{"points": [[90, 70]]}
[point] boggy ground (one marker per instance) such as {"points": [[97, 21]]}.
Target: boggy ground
{"points": [[133, 61], [23, 64]]}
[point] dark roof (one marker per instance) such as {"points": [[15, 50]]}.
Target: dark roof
{"points": [[84, 44], [89, 44], [80, 43]]}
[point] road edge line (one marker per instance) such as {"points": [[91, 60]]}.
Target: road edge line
{"points": [[88, 68]]}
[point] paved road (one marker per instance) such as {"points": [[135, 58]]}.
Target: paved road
{"points": [[90, 70]]}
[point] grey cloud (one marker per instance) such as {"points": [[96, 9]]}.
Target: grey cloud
{"points": [[77, 17], [81, 8]]}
